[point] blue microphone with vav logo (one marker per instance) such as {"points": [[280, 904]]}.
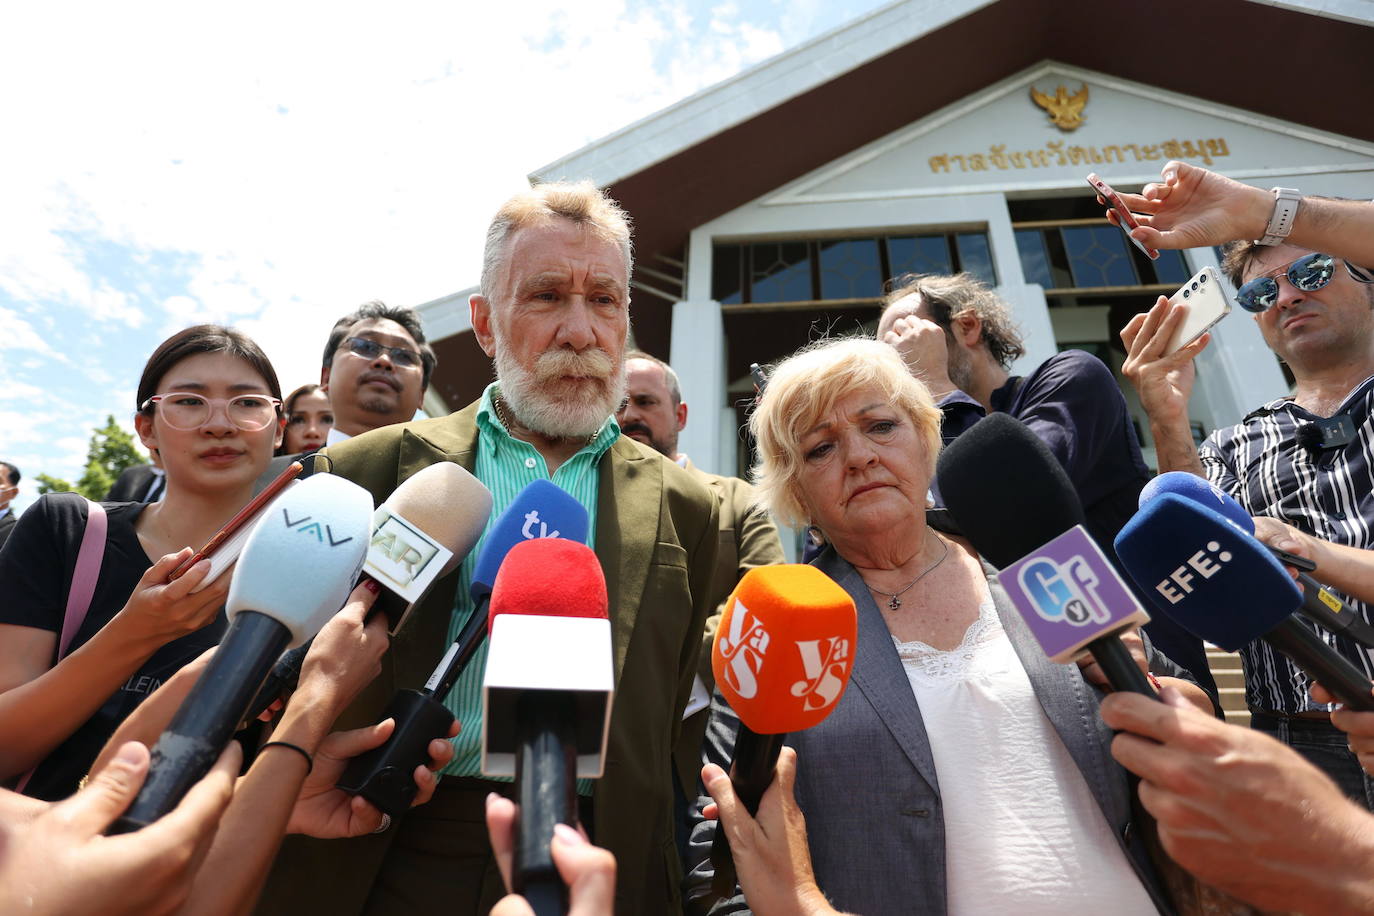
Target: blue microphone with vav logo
{"points": [[1014, 502], [384, 775], [1218, 582], [321, 524], [1319, 604]]}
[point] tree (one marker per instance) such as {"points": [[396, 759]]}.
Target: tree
{"points": [[111, 452]]}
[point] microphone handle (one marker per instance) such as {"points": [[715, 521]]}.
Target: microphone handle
{"points": [[1334, 672], [755, 759], [1120, 667], [546, 792], [1323, 608], [451, 666], [207, 717]]}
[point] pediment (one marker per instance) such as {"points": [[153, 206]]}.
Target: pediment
{"points": [[1001, 140]]}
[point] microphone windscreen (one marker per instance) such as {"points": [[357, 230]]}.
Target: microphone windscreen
{"points": [[997, 469], [549, 577], [1309, 436], [446, 503], [541, 510], [785, 647], [1201, 570], [304, 555], [1200, 491]]}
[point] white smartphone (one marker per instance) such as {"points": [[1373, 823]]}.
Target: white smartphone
{"points": [[1207, 304]]}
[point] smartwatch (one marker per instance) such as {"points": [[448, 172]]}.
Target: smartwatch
{"points": [[1286, 202]]}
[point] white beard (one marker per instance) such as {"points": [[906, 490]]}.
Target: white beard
{"points": [[543, 402]]}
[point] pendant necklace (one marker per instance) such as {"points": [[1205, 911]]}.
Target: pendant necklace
{"points": [[894, 598]]}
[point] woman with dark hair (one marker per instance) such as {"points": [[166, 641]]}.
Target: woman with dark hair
{"points": [[209, 402], [309, 418]]}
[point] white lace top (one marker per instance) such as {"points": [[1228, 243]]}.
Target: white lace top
{"points": [[1023, 833]]}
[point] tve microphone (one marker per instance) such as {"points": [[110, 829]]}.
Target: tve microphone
{"points": [[319, 525], [781, 658], [546, 697], [384, 775], [1219, 583], [1319, 604], [420, 533], [1013, 501]]}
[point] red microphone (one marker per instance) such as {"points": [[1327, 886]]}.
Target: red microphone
{"points": [[782, 659], [546, 697]]}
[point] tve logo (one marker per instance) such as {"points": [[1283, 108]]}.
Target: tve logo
{"points": [[529, 532], [306, 525]]}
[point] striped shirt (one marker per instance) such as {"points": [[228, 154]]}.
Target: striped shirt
{"points": [[1328, 494], [507, 465]]}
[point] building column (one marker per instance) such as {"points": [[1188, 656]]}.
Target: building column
{"points": [[698, 358]]}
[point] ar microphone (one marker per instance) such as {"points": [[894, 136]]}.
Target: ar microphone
{"points": [[781, 658], [384, 775], [546, 697], [1220, 584], [1069, 593], [1319, 604], [320, 525], [421, 533]]}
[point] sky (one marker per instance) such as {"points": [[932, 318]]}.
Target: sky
{"points": [[274, 165]]}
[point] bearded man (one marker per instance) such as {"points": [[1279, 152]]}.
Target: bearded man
{"points": [[553, 313]]}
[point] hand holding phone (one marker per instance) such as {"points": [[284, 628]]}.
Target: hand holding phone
{"points": [[1127, 219], [1207, 304]]}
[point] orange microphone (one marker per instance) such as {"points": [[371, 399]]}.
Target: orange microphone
{"points": [[782, 659]]}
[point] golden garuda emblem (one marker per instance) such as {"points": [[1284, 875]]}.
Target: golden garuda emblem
{"points": [[1065, 111]]}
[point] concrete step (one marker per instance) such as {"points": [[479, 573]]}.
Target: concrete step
{"points": [[1228, 678], [1232, 698], [1238, 717]]}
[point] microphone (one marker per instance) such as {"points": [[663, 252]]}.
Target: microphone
{"points": [[1069, 593], [1219, 583], [1319, 604], [319, 525], [420, 533], [546, 697], [383, 774], [782, 658]]}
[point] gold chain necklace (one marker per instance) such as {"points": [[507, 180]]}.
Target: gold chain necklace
{"points": [[894, 599], [499, 403]]}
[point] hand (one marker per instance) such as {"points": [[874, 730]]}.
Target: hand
{"points": [[1285, 537], [1359, 726], [160, 611], [1238, 809], [1191, 207], [771, 852], [1164, 382], [1092, 671], [924, 348], [589, 871], [345, 655], [59, 863], [327, 812]]}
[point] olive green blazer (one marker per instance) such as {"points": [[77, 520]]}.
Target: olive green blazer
{"points": [[656, 535]]}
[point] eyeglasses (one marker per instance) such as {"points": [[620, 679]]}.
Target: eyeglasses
{"points": [[1308, 273], [370, 350], [186, 410]]}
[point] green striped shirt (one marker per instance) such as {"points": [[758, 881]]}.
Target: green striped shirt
{"points": [[507, 465]]}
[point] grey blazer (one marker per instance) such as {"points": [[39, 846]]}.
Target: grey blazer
{"points": [[866, 778]]}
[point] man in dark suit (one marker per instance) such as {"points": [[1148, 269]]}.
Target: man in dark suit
{"points": [[141, 483], [553, 314], [9, 489]]}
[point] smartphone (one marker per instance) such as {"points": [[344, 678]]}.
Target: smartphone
{"points": [[1207, 304], [224, 548], [1128, 220]]}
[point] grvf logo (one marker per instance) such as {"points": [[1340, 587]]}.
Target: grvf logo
{"points": [[306, 526], [743, 648], [532, 519], [1180, 582], [825, 676], [1064, 593]]}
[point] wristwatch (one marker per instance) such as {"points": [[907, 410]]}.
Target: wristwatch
{"points": [[1286, 202]]}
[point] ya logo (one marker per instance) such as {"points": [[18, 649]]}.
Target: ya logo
{"points": [[826, 672], [306, 525], [532, 519], [743, 648]]}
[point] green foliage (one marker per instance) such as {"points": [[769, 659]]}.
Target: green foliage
{"points": [[111, 452]]}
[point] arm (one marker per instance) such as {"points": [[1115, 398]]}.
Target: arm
{"points": [[1243, 812], [1192, 207], [1164, 383], [1349, 570], [587, 870], [1151, 662]]}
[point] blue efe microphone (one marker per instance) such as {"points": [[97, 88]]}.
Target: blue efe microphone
{"points": [[1218, 582], [383, 775], [1319, 604]]}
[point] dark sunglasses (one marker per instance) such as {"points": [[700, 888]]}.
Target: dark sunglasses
{"points": [[370, 350], [1308, 273]]}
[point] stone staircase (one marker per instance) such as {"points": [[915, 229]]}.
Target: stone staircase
{"points": [[1231, 683]]}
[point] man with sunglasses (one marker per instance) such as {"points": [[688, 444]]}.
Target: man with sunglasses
{"points": [[376, 367], [1305, 460]]}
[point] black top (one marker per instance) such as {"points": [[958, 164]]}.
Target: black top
{"points": [[36, 568]]}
